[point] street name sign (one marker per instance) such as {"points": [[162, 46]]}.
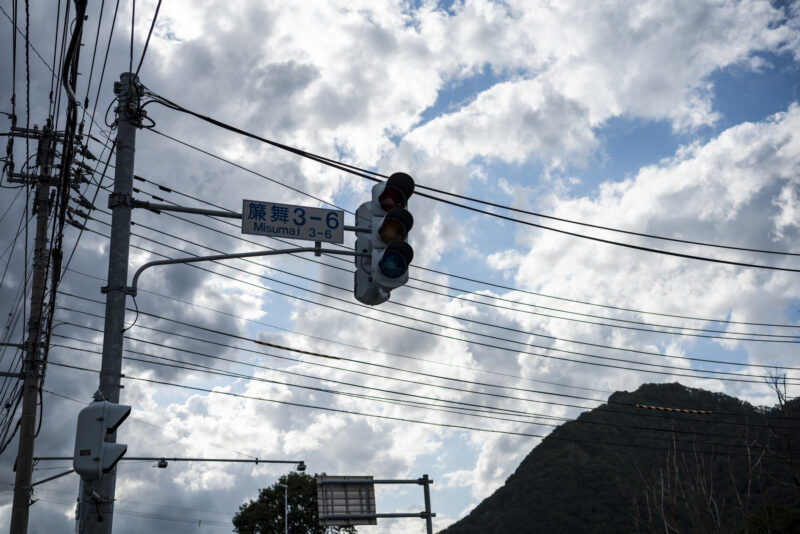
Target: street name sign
{"points": [[342, 499], [292, 222]]}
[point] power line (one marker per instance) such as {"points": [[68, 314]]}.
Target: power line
{"points": [[345, 369], [368, 175], [302, 405], [372, 415], [607, 306], [94, 57], [147, 42], [133, 20], [790, 338], [413, 381], [493, 346], [349, 345], [466, 331], [451, 275], [19, 31], [352, 360], [261, 175], [468, 409]]}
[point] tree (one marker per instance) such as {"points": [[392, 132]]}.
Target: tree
{"points": [[265, 515]]}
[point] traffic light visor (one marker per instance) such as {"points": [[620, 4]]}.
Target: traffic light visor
{"points": [[399, 187], [396, 259], [115, 414]]}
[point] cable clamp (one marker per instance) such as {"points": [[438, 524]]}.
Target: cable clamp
{"points": [[119, 199], [125, 290]]}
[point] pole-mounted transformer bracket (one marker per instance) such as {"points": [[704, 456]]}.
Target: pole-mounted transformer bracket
{"points": [[120, 199]]}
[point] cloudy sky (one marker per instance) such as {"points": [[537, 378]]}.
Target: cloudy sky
{"points": [[676, 119]]}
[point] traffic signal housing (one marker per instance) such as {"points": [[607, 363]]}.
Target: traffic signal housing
{"points": [[389, 255], [94, 456]]}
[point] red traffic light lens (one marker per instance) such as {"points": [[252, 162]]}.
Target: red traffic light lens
{"points": [[391, 198], [396, 191]]}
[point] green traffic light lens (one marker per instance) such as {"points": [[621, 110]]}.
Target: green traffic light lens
{"points": [[392, 264]]}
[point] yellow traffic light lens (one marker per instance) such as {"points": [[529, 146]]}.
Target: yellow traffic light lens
{"points": [[392, 230]]}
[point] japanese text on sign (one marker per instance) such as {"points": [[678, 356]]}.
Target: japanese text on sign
{"points": [[293, 222]]}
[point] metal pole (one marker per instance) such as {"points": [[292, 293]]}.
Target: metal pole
{"points": [[99, 518], [426, 488], [32, 362], [285, 507], [196, 259]]}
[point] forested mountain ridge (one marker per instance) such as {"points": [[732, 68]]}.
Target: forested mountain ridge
{"points": [[623, 468]]}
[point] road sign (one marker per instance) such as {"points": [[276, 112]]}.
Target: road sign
{"points": [[292, 222], [346, 497]]}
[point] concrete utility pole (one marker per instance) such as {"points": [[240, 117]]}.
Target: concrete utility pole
{"points": [[33, 353], [95, 512]]}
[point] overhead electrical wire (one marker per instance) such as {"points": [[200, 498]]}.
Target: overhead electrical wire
{"points": [[515, 351], [469, 409], [19, 31], [261, 175], [369, 175], [787, 338], [13, 245], [465, 331], [372, 415], [743, 339], [59, 70], [183, 351], [415, 374], [452, 275], [147, 42], [53, 74], [146, 515], [795, 338], [371, 350], [10, 205], [94, 58], [11, 388], [133, 21], [302, 405], [727, 375]]}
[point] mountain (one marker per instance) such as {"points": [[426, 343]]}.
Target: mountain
{"points": [[623, 468]]}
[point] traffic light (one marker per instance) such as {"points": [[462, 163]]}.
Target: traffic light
{"points": [[389, 222], [93, 455]]}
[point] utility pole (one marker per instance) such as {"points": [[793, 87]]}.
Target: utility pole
{"points": [[33, 350], [285, 507], [95, 512]]}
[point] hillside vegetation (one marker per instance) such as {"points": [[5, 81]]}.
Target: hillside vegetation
{"points": [[619, 468]]}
